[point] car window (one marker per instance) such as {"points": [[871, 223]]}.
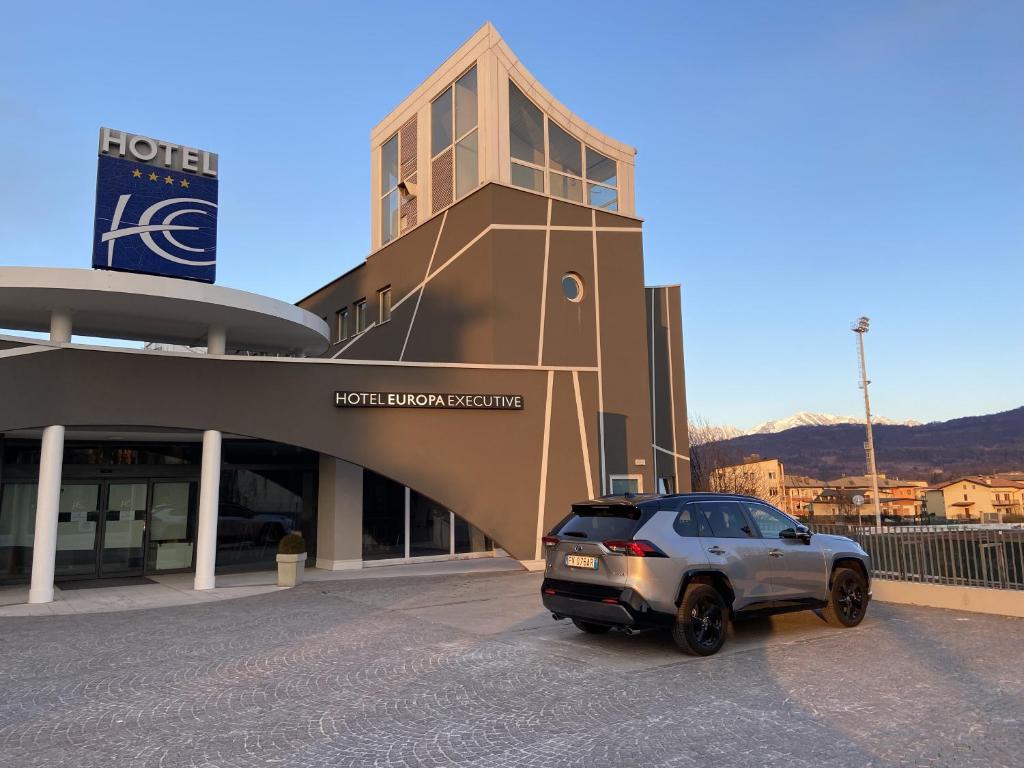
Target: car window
{"points": [[686, 522], [601, 523], [725, 518], [769, 521]]}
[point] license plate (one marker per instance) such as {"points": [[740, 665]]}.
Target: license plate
{"points": [[581, 561]]}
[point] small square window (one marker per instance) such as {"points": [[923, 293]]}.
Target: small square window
{"points": [[384, 303], [360, 316], [341, 328]]}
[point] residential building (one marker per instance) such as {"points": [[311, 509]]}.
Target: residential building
{"points": [[754, 476]]}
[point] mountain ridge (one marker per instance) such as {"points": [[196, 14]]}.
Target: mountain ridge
{"points": [[942, 449]]}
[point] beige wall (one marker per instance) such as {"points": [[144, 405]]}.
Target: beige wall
{"points": [[496, 65], [765, 479], [987, 503]]}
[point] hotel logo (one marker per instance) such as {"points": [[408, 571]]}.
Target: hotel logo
{"points": [[156, 208]]}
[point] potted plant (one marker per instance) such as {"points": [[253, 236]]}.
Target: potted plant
{"points": [[291, 560]]}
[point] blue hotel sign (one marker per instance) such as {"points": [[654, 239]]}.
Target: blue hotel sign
{"points": [[156, 208]]}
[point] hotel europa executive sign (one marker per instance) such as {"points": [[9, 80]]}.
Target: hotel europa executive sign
{"points": [[428, 400], [156, 208]]}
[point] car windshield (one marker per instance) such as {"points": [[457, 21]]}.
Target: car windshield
{"points": [[602, 523]]}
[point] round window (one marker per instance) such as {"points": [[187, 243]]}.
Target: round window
{"points": [[572, 287]]}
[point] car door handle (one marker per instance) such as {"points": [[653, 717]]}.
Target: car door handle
{"points": [[775, 553], [716, 550]]}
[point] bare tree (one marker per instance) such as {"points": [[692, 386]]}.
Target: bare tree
{"points": [[719, 468]]}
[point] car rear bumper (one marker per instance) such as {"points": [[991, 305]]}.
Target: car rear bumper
{"points": [[614, 606]]}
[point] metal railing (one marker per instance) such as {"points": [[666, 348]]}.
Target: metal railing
{"points": [[961, 555]]}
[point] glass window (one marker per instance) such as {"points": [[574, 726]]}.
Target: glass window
{"points": [[383, 517], [466, 165], [528, 178], [360, 316], [691, 522], [429, 527], [600, 168], [769, 521], [389, 203], [17, 528], [172, 529], [384, 302], [572, 287], [564, 151], [465, 103], [566, 187], [621, 485], [258, 507], [469, 538], [441, 123], [389, 164], [526, 127], [341, 324], [603, 197], [603, 522], [726, 520], [389, 217]]}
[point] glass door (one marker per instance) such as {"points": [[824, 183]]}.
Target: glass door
{"points": [[172, 526], [78, 517], [124, 529]]}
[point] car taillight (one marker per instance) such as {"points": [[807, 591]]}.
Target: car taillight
{"points": [[549, 541], [634, 548]]}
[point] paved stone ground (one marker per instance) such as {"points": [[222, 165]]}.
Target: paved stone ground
{"points": [[468, 670]]}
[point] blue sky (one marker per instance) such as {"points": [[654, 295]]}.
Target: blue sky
{"points": [[800, 164]]}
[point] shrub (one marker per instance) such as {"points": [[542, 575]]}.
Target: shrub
{"points": [[292, 544]]}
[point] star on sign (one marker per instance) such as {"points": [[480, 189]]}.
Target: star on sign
{"points": [[168, 180], [184, 183], [152, 176], [137, 174]]}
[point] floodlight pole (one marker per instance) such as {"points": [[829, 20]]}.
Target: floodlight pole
{"points": [[860, 328]]}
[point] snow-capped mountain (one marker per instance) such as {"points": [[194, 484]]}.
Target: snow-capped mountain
{"points": [[806, 419]]}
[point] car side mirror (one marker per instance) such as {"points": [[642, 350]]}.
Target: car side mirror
{"points": [[801, 533]]}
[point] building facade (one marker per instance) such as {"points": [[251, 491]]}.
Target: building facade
{"points": [[496, 357]]}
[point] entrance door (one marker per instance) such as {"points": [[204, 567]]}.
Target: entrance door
{"points": [[78, 523], [124, 529]]}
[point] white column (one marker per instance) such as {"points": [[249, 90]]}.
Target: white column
{"points": [[60, 326], [44, 545], [209, 500], [216, 340], [408, 523], [51, 465], [209, 485]]}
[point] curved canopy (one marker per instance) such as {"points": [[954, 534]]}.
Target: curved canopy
{"points": [[123, 305]]}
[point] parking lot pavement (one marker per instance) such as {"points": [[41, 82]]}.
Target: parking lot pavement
{"points": [[469, 670]]}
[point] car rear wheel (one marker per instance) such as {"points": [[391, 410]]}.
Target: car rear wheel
{"points": [[848, 599], [702, 621], [590, 628]]}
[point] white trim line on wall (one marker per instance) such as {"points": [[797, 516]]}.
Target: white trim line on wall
{"points": [[597, 328], [419, 297], [543, 489], [26, 351], [671, 380], [544, 288], [548, 228], [584, 446], [670, 453]]}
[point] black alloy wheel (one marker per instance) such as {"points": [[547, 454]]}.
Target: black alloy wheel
{"points": [[702, 621], [848, 599]]}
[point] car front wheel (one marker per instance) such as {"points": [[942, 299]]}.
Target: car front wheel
{"points": [[702, 621], [848, 599]]}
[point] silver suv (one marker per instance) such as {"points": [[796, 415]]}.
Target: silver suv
{"points": [[692, 561]]}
